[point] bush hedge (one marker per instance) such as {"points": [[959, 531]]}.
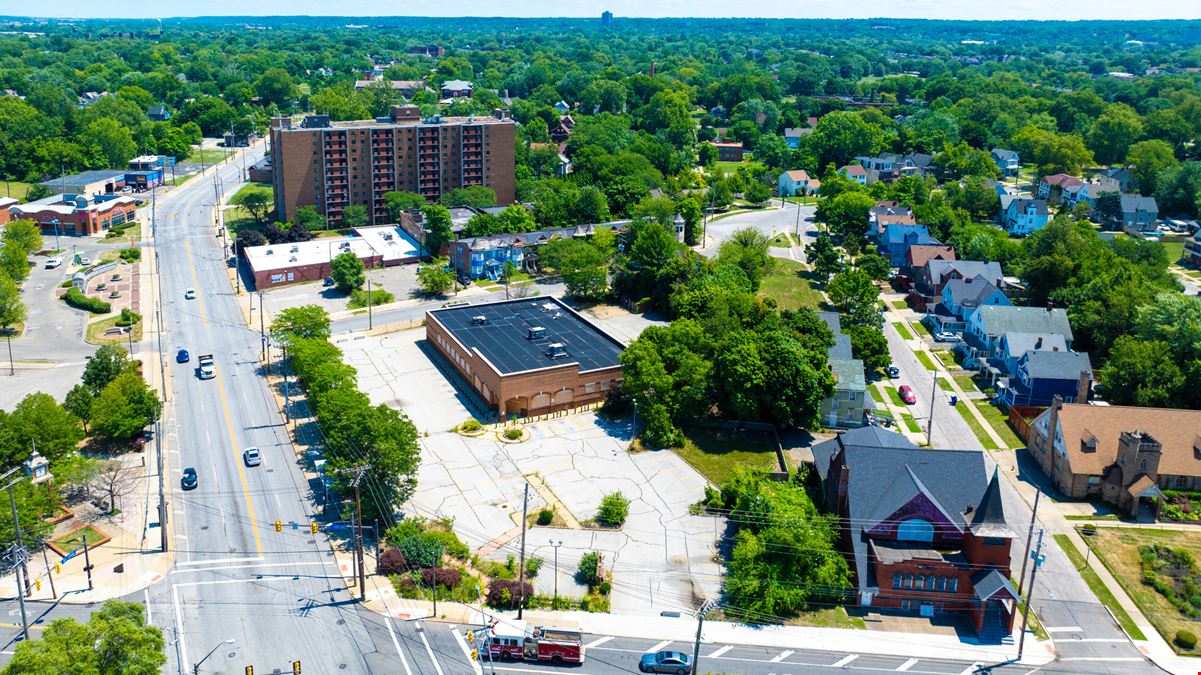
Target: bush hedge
{"points": [[614, 508], [505, 594], [446, 577], [1186, 639], [75, 298], [392, 561]]}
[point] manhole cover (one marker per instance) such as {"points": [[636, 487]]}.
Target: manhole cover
{"points": [[341, 621], [341, 666], [270, 470], [204, 527], [231, 655]]}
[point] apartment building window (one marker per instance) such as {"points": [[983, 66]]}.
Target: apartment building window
{"points": [[929, 583], [952, 585], [896, 581]]}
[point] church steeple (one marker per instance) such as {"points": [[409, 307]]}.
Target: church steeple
{"points": [[988, 520]]}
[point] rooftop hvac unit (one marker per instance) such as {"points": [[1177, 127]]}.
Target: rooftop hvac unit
{"points": [[479, 320], [548, 306], [269, 252], [292, 259], [537, 333], [556, 349], [295, 248]]}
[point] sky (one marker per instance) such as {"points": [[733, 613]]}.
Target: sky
{"points": [[928, 9]]}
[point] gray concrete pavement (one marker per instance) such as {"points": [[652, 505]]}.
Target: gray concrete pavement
{"points": [[792, 218]]}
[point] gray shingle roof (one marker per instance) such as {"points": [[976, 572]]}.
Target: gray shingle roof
{"points": [[841, 349], [999, 319], [1003, 155], [988, 520], [848, 374], [1020, 343], [1045, 365], [991, 271], [1132, 203], [987, 584], [971, 291]]}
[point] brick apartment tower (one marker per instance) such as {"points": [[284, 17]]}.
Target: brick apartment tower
{"points": [[332, 165]]}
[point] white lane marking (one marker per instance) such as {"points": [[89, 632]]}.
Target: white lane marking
{"points": [[475, 665], [719, 651], [428, 649], [907, 665], [146, 592], [974, 668], [844, 660], [1064, 629], [598, 641], [1102, 658], [219, 560], [396, 643], [782, 655], [657, 647], [1092, 640], [183, 649], [252, 566]]}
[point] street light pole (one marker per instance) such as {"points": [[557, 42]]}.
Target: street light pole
{"points": [[555, 603], [196, 668]]}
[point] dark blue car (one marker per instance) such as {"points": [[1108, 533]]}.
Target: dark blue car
{"points": [[182, 356], [189, 480]]}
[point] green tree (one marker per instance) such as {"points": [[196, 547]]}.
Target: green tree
{"points": [[78, 402], [355, 215], [840, 137], [856, 297], [14, 261], [1142, 373], [823, 255], [436, 276], [116, 639], [1177, 188], [869, 344], [1149, 158], [347, 271], [275, 85], [301, 322], [309, 218], [517, 218], [846, 214], [614, 509], [1116, 129], [875, 265], [106, 364], [583, 267], [399, 201], [690, 210], [957, 161], [124, 407], [257, 201], [437, 228], [476, 196], [12, 312], [111, 141], [757, 193], [38, 420], [25, 234], [747, 249]]}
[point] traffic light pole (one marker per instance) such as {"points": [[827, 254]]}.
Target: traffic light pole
{"points": [[1030, 596]]}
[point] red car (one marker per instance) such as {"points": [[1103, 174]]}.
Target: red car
{"points": [[907, 394]]}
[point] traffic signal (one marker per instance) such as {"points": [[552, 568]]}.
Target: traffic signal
{"points": [[296, 668], [58, 568], [38, 582], [470, 637], [249, 670], [475, 655], [313, 527], [279, 526]]}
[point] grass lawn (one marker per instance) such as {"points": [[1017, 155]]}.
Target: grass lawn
{"points": [[716, 453], [898, 304], [95, 333], [925, 359], [16, 189], [69, 542], [782, 240], [832, 617], [943, 383], [1090, 518], [981, 434], [965, 383], [999, 421], [893, 395], [911, 423], [873, 394], [1174, 249], [920, 329], [207, 156], [902, 330], [791, 285], [237, 219], [179, 180], [1102, 592], [947, 358]]}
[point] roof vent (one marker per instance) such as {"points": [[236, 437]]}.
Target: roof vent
{"points": [[536, 333], [556, 350], [292, 259], [269, 252], [295, 248], [479, 320]]}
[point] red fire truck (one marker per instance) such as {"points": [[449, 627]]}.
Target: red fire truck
{"points": [[539, 643]]}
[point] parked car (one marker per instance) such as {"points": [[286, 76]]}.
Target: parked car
{"points": [[944, 336], [328, 281], [252, 457], [907, 394], [85, 260], [189, 294], [666, 662], [189, 481], [182, 356], [53, 262], [893, 371]]}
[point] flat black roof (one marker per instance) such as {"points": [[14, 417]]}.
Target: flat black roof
{"points": [[503, 336]]}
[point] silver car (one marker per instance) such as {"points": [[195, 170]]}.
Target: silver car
{"points": [[252, 457]]}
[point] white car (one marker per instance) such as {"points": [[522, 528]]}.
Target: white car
{"points": [[51, 263], [85, 260], [252, 457], [189, 294]]}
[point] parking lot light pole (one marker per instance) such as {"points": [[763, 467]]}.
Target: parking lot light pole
{"points": [[555, 602], [196, 668]]}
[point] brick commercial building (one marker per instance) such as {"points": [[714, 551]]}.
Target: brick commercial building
{"points": [[332, 165], [281, 264], [528, 356], [72, 214], [6, 203]]}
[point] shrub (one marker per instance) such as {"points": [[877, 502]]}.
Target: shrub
{"points": [[446, 577], [605, 587], [409, 527], [1186, 639], [130, 255], [471, 425], [532, 565], [1088, 530], [407, 588], [78, 300], [546, 516], [505, 594], [586, 571], [128, 317], [360, 298], [614, 508], [421, 550], [393, 561], [450, 543], [512, 433]]}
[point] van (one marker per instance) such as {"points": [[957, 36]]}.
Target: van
{"points": [[53, 262]]}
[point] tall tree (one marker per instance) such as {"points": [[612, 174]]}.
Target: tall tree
{"points": [[302, 322], [347, 271], [125, 407], [12, 312], [116, 639]]}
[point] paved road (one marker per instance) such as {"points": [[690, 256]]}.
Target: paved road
{"points": [[792, 218]]}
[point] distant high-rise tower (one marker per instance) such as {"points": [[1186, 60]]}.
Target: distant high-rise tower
{"points": [[607, 18]]}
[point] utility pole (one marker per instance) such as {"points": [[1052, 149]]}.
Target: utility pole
{"points": [[555, 603], [930, 426], [370, 302], [87, 561], [1029, 535], [1038, 561], [18, 554], [696, 646], [284, 365], [262, 326], [525, 504], [46, 560], [358, 508], [12, 500]]}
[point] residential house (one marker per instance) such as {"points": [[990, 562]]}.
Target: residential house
{"points": [[718, 112], [916, 258], [889, 166], [456, 89], [1014, 345], [562, 106], [1126, 180], [1044, 374], [564, 163], [987, 325], [897, 239], [793, 135], [925, 529], [1192, 250], [158, 113], [886, 213], [1123, 454], [1088, 191], [485, 257], [1007, 161], [730, 151], [962, 297], [1021, 216], [87, 98], [933, 277], [1139, 213], [854, 172], [845, 408], [1051, 187], [406, 88], [798, 182]]}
